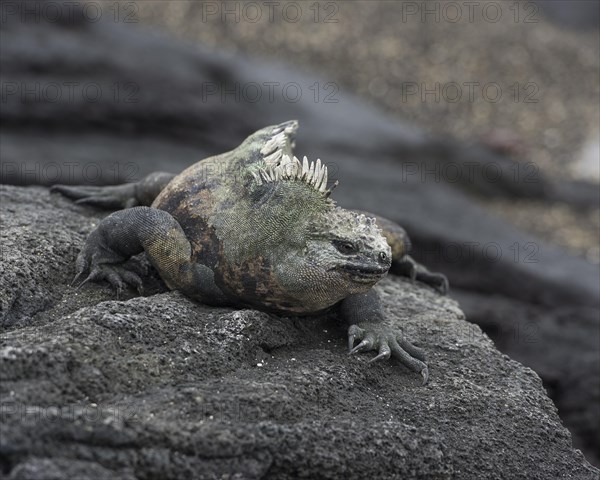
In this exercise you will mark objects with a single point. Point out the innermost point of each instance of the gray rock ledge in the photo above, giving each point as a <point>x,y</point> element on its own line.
<point>161,387</point>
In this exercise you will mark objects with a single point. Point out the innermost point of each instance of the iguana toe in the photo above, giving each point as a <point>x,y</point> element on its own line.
<point>363,346</point>
<point>413,351</point>
<point>409,359</point>
<point>133,279</point>
<point>354,333</point>
<point>384,353</point>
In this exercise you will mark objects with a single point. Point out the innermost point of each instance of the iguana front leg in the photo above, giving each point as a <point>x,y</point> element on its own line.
<point>367,325</point>
<point>107,250</point>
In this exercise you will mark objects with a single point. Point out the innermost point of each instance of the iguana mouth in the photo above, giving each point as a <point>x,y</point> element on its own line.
<point>362,273</point>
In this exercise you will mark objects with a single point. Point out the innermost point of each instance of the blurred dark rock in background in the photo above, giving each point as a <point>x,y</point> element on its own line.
<point>106,102</point>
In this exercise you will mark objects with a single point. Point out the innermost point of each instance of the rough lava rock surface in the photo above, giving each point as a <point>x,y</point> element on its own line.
<point>161,387</point>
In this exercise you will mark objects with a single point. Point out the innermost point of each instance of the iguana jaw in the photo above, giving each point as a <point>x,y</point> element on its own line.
<point>363,273</point>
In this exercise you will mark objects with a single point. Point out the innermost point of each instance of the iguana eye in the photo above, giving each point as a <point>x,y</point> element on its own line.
<point>347,248</point>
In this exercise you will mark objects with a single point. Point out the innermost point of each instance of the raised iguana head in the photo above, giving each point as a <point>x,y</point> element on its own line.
<point>348,249</point>
<point>306,252</point>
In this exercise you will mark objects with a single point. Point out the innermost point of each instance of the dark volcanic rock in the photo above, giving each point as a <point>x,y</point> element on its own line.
<point>560,344</point>
<point>162,387</point>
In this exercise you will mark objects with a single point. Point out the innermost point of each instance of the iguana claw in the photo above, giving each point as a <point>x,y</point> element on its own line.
<point>425,375</point>
<point>388,343</point>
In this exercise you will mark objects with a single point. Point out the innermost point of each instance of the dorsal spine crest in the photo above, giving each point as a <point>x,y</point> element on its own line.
<point>313,174</point>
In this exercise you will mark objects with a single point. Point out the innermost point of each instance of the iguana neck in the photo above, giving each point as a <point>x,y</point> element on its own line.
<point>273,219</point>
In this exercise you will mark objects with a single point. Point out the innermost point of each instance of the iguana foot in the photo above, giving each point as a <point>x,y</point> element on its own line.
<point>387,342</point>
<point>95,264</point>
<point>109,197</point>
<point>439,281</point>
<point>117,275</point>
<point>408,267</point>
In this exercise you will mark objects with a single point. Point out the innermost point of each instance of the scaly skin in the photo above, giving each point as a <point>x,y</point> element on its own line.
<point>255,227</point>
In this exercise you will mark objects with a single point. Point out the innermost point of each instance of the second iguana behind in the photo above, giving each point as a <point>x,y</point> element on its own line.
<point>255,227</point>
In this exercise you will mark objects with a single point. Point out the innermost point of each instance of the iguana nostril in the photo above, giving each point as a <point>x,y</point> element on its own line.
<point>383,257</point>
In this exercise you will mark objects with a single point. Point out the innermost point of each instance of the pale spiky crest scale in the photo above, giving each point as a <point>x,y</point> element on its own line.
<point>274,157</point>
<point>305,167</point>
<point>278,166</point>
<point>317,173</point>
<point>313,174</point>
<point>272,150</point>
<point>276,142</point>
<point>321,179</point>
<point>311,171</point>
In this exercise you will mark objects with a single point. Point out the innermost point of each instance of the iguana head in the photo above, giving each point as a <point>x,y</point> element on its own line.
<point>347,249</point>
<point>319,253</point>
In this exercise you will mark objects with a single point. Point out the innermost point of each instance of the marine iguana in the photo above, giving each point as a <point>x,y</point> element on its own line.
<point>255,227</point>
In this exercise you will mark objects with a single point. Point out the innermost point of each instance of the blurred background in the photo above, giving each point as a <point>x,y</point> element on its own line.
<point>473,124</point>
<point>540,59</point>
